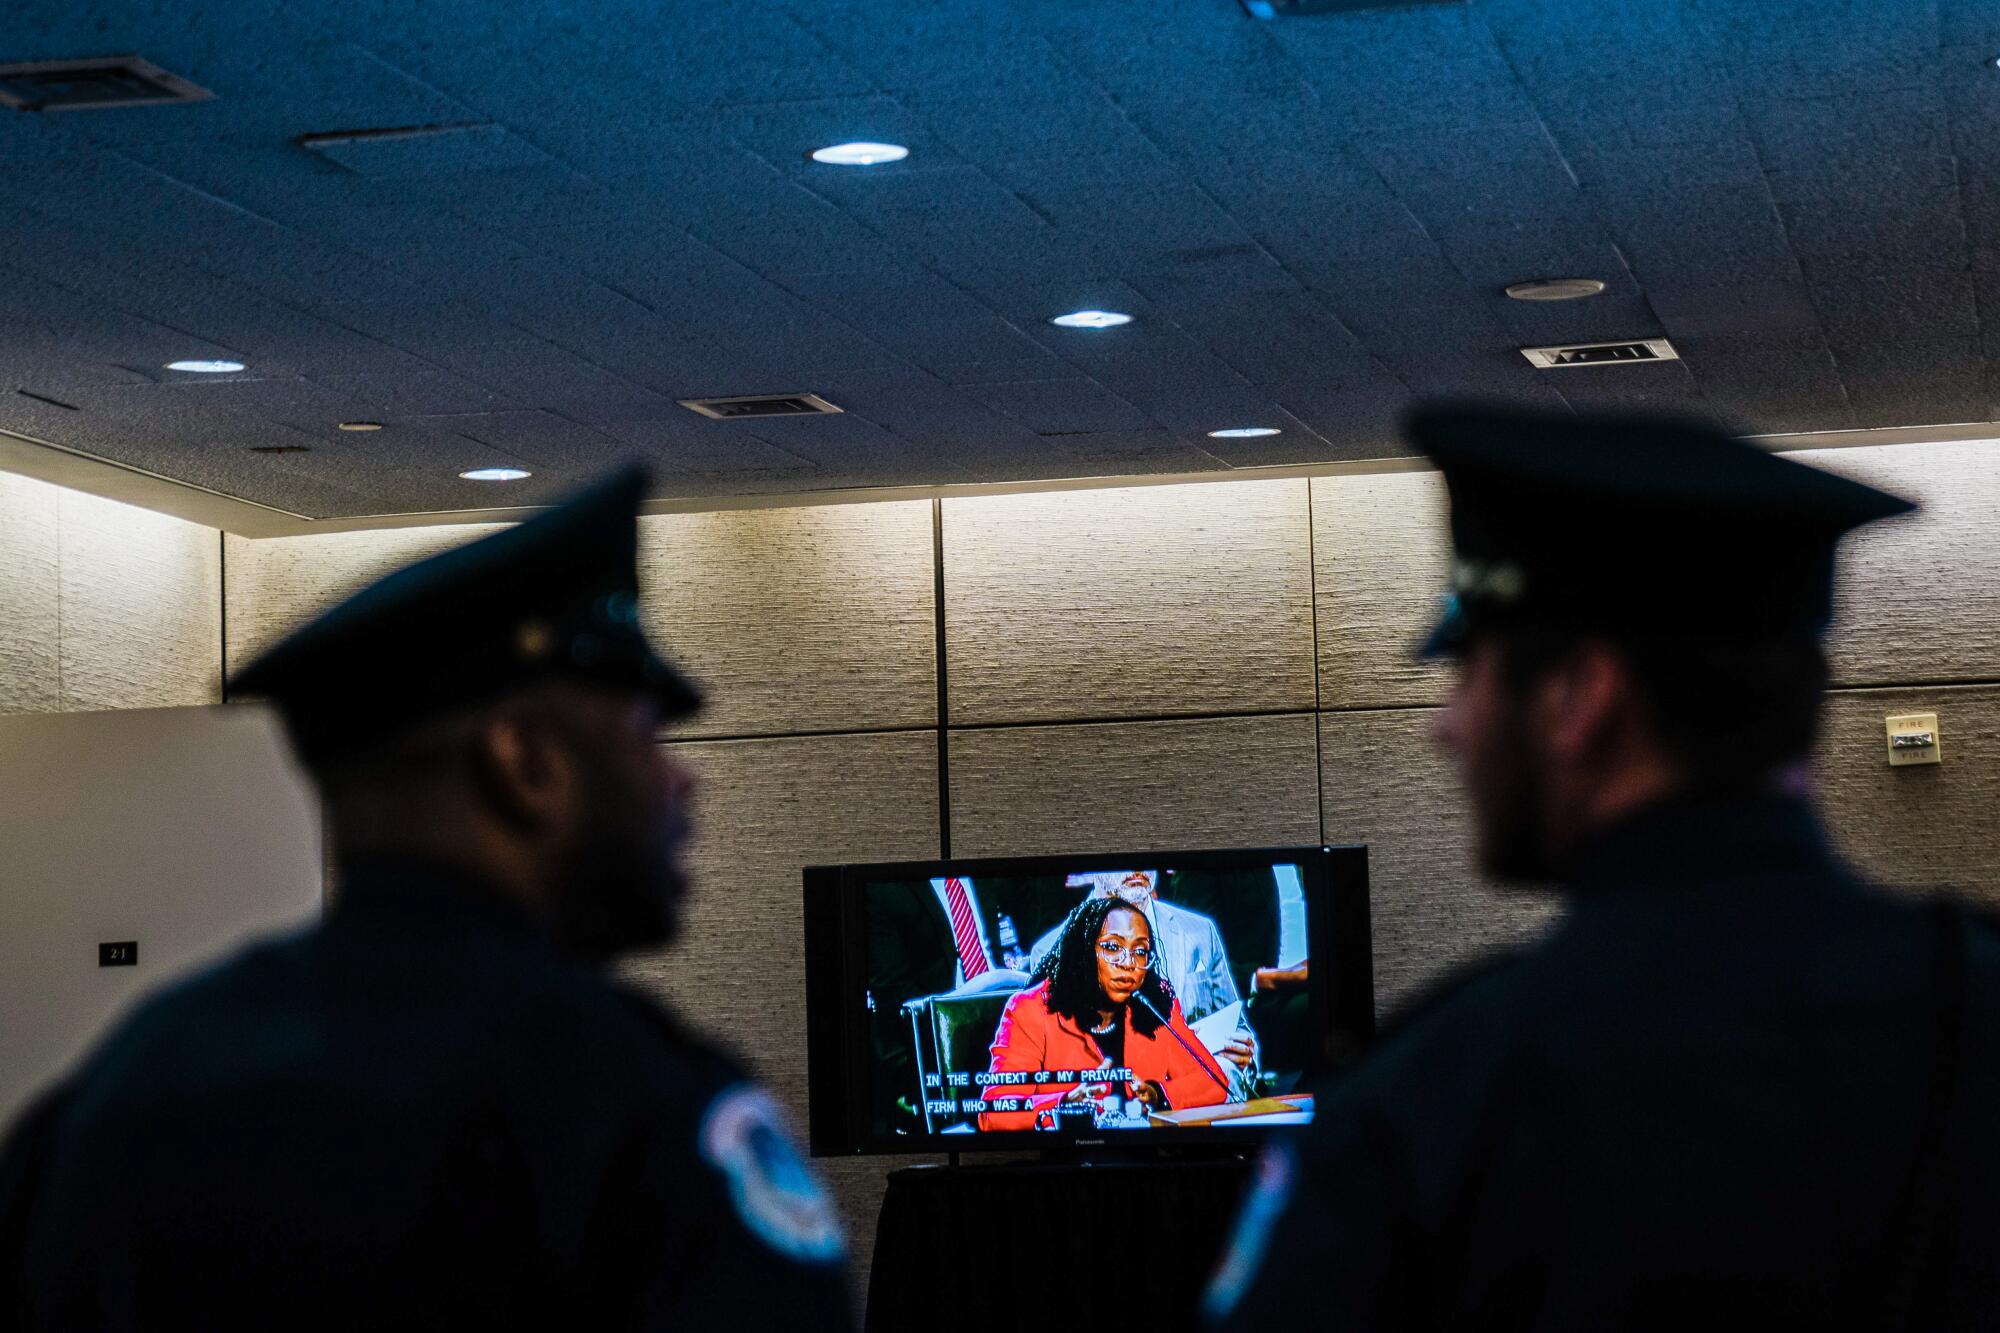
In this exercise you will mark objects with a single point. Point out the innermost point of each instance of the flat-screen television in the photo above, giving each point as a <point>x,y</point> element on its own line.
<point>1135,999</point>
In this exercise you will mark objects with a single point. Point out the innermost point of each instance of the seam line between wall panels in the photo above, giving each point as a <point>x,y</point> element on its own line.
<point>737,736</point>
<point>1886,687</point>
<point>943,717</point>
<point>222,648</point>
<point>62,685</point>
<point>1898,687</point>
<point>1312,608</point>
<point>1382,708</point>
<point>1312,584</point>
<point>1116,719</point>
<point>1122,719</point>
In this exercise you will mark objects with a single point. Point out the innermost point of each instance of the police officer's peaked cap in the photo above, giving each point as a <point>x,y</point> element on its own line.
<point>556,596</point>
<point>1633,525</point>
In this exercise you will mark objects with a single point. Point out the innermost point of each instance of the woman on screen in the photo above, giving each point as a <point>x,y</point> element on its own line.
<point>1098,1038</point>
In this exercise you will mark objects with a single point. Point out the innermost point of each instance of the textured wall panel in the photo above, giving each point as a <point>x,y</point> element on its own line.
<point>1214,782</point>
<point>1381,555</point>
<point>1911,599</point>
<point>30,643</point>
<point>141,607</point>
<point>276,584</point>
<point>1918,595</point>
<point>1920,827</point>
<point>814,619</point>
<point>768,808</point>
<point>1143,601</point>
<point>1386,784</point>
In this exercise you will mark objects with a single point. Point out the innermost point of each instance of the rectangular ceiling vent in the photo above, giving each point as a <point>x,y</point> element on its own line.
<point>760,405</point>
<point>91,85</point>
<point>1601,354</point>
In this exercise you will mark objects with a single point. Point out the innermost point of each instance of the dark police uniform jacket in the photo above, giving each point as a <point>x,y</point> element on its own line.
<point>1735,1087</point>
<point>416,1115</point>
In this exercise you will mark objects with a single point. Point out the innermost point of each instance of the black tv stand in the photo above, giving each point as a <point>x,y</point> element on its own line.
<point>1113,1153</point>
<point>1109,1153</point>
<point>972,1242</point>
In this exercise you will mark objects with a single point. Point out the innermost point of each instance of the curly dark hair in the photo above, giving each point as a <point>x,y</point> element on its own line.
<point>1071,970</point>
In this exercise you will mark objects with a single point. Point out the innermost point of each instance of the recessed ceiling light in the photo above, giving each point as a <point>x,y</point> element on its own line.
<point>495,474</point>
<point>206,367</point>
<point>860,154</point>
<point>361,425</point>
<point>1244,432</point>
<point>1555,289</point>
<point>1091,319</point>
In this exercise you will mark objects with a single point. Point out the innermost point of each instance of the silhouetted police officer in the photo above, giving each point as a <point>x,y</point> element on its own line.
<point>432,1110</point>
<point>1734,1086</point>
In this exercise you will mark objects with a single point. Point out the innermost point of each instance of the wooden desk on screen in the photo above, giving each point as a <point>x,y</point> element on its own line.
<point>1294,1108</point>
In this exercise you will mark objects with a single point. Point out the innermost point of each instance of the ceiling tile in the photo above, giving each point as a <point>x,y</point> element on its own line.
<point>1311,218</point>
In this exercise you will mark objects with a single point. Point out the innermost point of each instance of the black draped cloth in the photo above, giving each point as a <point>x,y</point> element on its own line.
<point>1024,1245</point>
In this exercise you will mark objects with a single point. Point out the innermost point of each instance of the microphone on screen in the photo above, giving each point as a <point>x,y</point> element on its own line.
<point>1153,1009</point>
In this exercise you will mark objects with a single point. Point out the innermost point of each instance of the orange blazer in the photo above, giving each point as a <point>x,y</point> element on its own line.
<point>1031,1040</point>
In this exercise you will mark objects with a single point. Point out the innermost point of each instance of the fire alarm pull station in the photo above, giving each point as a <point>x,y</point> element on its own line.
<point>1913,739</point>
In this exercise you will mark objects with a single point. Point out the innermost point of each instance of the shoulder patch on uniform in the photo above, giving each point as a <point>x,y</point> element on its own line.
<point>1269,1194</point>
<point>774,1191</point>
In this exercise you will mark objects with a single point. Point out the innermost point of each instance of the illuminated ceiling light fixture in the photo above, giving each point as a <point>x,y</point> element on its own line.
<point>206,367</point>
<point>495,474</point>
<point>1281,9</point>
<point>361,425</point>
<point>860,154</point>
<point>1244,433</point>
<point>1091,319</point>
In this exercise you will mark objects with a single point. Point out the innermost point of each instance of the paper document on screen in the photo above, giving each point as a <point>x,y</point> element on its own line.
<point>1217,1028</point>
<point>1292,944</point>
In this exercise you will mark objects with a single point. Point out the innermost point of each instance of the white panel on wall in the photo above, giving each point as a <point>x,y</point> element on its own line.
<point>1381,556</point>
<point>275,584</point>
<point>807,619</point>
<point>1917,596</point>
<point>30,641</point>
<point>1106,787</point>
<point>141,607</point>
<point>765,810</point>
<point>1386,784</point>
<point>183,829</point>
<point>1153,600</point>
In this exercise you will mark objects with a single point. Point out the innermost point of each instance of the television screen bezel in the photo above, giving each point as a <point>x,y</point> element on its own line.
<point>1333,877</point>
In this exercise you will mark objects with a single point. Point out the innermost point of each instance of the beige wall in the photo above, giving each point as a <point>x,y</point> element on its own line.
<point>185,829</point>
<point>1203,664</point>
<point>273,586</point>
<point>103,605</point>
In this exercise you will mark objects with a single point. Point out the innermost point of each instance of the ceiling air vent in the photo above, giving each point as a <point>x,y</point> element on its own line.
<point>760,405</point>
<point>88,85</point>
<point>1601,354</point>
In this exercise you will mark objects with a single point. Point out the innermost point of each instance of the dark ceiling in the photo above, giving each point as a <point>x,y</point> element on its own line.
<point>1312,220</point>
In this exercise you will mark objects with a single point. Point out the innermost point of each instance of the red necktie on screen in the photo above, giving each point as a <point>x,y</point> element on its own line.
<point>972,959</point>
